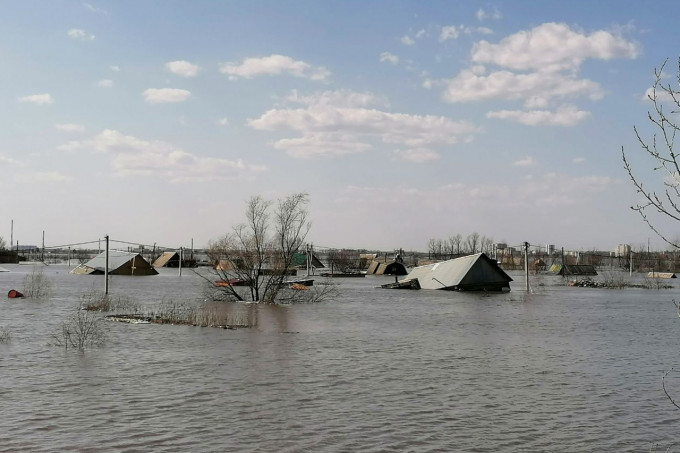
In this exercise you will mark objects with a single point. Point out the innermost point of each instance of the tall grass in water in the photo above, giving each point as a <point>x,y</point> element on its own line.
<point>5,336</point>
<point>98,301</point>
<point>205,315</point>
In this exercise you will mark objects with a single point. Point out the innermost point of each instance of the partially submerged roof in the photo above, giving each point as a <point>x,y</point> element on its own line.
<point>120,263</point>
<point>388,268</point>
<point>573,269</point>
<point>166,258</point>
<point>661,275</point>
<point>300,259</point>
<point>469,273</point>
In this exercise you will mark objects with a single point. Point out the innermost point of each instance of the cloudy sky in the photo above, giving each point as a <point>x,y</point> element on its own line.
<point>155,121</point>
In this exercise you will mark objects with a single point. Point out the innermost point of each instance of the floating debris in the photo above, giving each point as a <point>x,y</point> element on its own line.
<point>130,319</point>
<point>14,294</point>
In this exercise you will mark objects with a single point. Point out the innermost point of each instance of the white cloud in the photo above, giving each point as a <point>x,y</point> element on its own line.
<point>407,40</point>
<point>94,9</point>
<point>77,33</point>
<point>526,161</point>
<point>535,87</point>
<point>224,121</point>
<point>8,160</point>
<point>483,15</point>
<point>564,116</point>
<point>182,68</point>
<point>132,156</point>
<point>551,47</point>
<point>448,32</point>
<point>105,83</point>
<point>165,95</point>
<point>417,155</point>
<point>39,99</point>
<point>70,127</point>
<point>484,30</point>
<point>343,118</point>
<point>115,68</point>
<point>662,96</point>
<point>274,65</point>
<point>339,98</point>
<point>389,58</point>
<point>578,160</point>
<point>321,145</point>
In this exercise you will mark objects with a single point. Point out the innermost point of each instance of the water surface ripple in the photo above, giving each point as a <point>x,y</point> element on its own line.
<point>562,369</point>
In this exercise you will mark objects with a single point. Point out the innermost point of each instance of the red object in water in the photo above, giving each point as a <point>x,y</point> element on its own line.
<point>13,294</point>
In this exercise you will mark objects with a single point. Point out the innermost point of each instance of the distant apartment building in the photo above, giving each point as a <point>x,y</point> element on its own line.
<point>622,250</point>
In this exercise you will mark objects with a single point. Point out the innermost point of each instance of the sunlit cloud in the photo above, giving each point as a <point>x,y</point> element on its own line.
<point>564,116</point>
<point>39,99</point>
<point>132,156</point>
<point>165,95</point>
<point>82,35</point>
<point>182,68</point>
<point>274,65</point>
<point>387,57</point>
<point>340,123</point>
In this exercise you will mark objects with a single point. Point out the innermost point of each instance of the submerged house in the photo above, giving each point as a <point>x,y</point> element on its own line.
<point>387,268</point>
<point>469,273</point>
<point>299,260</point>
<point>167,259</point>
<point>120,263</point>
<point>573,269</point>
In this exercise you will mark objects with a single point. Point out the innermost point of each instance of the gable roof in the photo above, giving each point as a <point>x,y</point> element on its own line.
<point>165,258</point>
<point>473,272</point>
<point>118,260</point>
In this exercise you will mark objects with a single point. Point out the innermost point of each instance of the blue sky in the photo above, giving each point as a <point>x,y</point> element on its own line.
<point>154,121</point>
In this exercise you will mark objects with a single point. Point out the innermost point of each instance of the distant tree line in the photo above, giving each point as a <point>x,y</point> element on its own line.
<point>457,245</point>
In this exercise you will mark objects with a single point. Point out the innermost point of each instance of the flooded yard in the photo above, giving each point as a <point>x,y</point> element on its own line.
<point>560,369</point>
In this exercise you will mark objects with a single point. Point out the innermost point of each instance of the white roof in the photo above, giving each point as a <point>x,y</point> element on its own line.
<point>447,274</point>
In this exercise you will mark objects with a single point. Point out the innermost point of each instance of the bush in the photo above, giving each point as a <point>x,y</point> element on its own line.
<point>82,330</point>
<point>37,285</point>
<point>5,336</point>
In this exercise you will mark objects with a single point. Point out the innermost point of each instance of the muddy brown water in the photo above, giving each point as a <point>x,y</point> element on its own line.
<point>561,369</point>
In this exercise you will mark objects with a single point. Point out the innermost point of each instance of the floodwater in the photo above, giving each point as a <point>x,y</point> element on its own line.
<point>561,369</point>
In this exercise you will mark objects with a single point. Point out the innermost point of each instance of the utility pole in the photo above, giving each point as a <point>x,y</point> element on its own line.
<point>181,257</point>
<point>106,268</point>
<point>631,263</point>
<point>526,264</point>
<point>43,247</point>
<point>11,236</point>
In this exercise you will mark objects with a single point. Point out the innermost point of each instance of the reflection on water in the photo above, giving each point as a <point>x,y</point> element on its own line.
<point>561,369</point>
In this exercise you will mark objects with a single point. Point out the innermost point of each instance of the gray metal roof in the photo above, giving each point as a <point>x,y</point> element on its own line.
<point>459,271</point>
<point>116,259</point>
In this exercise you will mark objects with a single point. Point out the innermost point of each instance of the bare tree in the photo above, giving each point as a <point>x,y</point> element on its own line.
<point>486,245</point>
<point>456,243</point>
<point>660,150</point>
<point>473,242</point>
<point>259,253</point>
<point>3,244</point>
